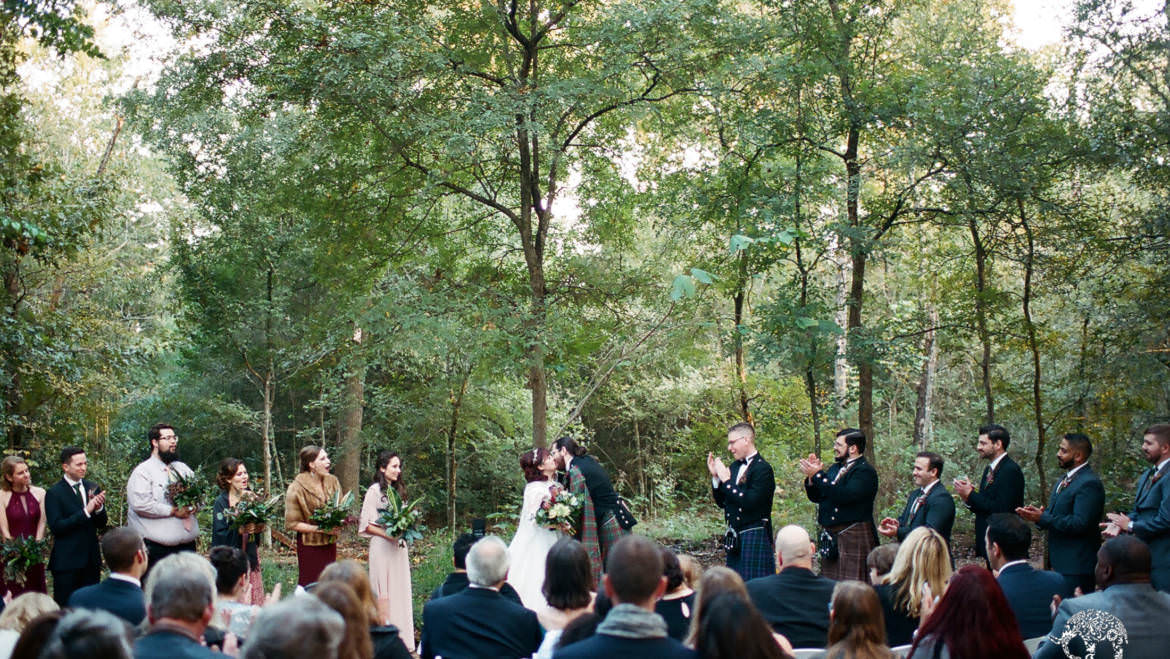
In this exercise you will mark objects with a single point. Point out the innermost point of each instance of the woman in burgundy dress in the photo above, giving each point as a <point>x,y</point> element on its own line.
<point>22,515</point>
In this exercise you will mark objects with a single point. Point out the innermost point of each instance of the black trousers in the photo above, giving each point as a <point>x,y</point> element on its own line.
<point>156,552</point>
<point>67,581</point>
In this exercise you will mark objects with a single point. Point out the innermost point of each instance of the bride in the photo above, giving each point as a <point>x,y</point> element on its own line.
<point>531,543</point>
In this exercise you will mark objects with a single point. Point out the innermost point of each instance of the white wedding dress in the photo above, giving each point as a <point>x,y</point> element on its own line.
<point>529,548</point>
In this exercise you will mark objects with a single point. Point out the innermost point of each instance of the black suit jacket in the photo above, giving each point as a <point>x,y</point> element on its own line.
<point>747,503</point>
<point>615,647</point>
<point>900,625</point>
<point>937,512</point>
<point>1003,495</point>
<point>1029,592</point>
<point>850,499</point>
<point>1071,520</point>
<point>457,582</point>
<point>120,598</point>
<point>796,603</point>
<point>600,488</point>
<point>75,540</point>
<point>478,622</point>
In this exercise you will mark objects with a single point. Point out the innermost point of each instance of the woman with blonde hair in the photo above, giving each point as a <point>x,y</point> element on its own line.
<point>856,626</point>
<point>18,614</point>
<point>22,515</point>
<point>922,559</point>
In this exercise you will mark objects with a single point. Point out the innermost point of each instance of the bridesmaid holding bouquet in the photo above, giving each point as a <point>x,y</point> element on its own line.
<point>389,559</point>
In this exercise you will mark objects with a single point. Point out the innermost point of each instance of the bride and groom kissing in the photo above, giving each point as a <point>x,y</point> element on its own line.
<point>604,517</point>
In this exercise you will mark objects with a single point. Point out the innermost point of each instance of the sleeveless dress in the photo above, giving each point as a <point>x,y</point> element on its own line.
<point>530,547</point>
<point>24,513</point>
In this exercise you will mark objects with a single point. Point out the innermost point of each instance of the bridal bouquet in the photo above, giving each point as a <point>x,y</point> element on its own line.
<point>560,511</point>
<point>187,491</point>
<point>334,513</point>
<point>251,509</point>
<point>20,554</point>
<point>402,520</point>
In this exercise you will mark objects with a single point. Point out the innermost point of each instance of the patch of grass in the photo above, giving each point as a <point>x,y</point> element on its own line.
<point>430,562</point>
<point>693,524</point>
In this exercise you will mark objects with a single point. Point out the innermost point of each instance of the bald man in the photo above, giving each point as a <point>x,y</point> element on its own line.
<point>795,601</point>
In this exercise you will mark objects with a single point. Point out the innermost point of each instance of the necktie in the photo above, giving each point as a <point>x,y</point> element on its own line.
<point>1064,483</point>
<point>77,490</point>
<point>844,468</point>
<point>991,475</point>
<point>1151,476</point>
<point>917,504</point>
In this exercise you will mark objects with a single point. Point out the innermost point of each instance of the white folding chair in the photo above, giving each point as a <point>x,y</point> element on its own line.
<point>1033,644</point>
<point>806,653</point>
<point>901,650</point>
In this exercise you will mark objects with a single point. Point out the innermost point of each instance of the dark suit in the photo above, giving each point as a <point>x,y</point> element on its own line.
<point>900,625</point>
<point>937,512</point>
<point>478,622</point>
<point>1003,494</point>
<point>746,500</point>
<point>600,488</point>
<point>119,597</point>
<point>614,647</point>
<point>457,582</point>
<point>1071,520</point>
<point>845,508</point>
<point>795,603</point>
<point>1141,609</point>
<point>167,644</point>
<point>1151,522</point>
<point>76,559</point>
<point>1029,592</point>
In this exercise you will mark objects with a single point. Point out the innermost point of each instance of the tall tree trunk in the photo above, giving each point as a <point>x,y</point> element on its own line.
<point>456,399</point>
<point>351,418</point>
<point>841,360</point>
<point>740,299</point>
<point>981,267</point>
<point>924,410</point>
<point>269,396</point>
<point>1030,325</point>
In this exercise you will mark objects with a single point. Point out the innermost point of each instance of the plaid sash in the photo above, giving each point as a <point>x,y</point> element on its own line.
<point>588,533</point>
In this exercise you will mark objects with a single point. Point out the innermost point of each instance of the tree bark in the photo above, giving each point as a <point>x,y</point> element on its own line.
<point>924,410</point>
<point>981,317</point>
<point>841,361</point>
<point>740,299</point>
<point>351,418</point>
<point>456,399</point>
<point>1030,325</point>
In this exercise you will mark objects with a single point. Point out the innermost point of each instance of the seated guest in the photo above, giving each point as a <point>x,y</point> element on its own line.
<point>18,614</point>
<point>121,593</point>
<point>457,580</point>
<point>479,621</point>
<point>1029,591</point>
<point>732,628</point>
<point>795,602</point>
<point>676,605</point>
<point>294,628</point>
<point>880,561</point>
<point>356,642</point>
<point>36,634</point>
<point>923,558</point>
<point>972,619</point>
<point>387,642</point>
<point>856,628</point>
<point>180,600</point>
<point>568,589</point>
<point>634,582</point>
<point>233,611</point>
<point>1126,595</point>
<point>691,570</point>
<point>716,581</point>
<point>90,634</point>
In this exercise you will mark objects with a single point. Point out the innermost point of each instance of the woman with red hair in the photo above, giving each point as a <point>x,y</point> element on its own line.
<point>531,543</point>
<point>973,620</point>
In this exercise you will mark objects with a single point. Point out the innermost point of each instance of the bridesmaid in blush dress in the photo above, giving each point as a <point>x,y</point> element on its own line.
<point>22,515</point>
<point>389,560</point>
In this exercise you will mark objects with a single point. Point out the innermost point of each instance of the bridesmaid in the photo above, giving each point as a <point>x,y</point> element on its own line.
<point>22,514</point>
<point>389,561</point>
<point>310,490</point>
<point>232,479</point>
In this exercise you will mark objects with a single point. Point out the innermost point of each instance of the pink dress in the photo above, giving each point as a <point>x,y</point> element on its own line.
<point>389,569</point>
<point>24,513</point>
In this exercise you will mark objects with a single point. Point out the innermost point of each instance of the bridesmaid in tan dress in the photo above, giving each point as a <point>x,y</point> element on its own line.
<point>389,560</point>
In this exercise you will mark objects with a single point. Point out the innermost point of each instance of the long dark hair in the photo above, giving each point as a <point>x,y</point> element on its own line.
<point>570,445</point>
<point>384,458</point>
<point>858,629</point>
<point>732,627</point>
<point>568,577</point>
<point>973,619</point>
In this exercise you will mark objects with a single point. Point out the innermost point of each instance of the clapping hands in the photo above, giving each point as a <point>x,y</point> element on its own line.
<point>717,469</point>
<point>811,465</point>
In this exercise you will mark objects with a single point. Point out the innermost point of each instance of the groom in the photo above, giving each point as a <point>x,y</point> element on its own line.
<point>583,476</point>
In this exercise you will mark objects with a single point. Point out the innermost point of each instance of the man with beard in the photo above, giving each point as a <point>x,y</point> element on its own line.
<point>1001,490</point>
<point>1074,510</point>
<point>167,529</point>
<point>844,496</point>
<point>75,511</point>
<point>584,476</point>
<point>1150,518</point>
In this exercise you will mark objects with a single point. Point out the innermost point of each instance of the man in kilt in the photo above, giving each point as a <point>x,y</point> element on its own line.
<point>744,491</point>
<point>844,495</point>
<point>585,477</point>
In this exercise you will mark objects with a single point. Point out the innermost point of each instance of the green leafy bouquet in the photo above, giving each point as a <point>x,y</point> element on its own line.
<point>334,513</point>
<point>20,554</point>
<point>251,509</point>
<point>560,511</point>
<point>187,491</point>
<point>400,519</point>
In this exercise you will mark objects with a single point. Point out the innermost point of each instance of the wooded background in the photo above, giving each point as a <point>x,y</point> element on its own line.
<point>457,229</point>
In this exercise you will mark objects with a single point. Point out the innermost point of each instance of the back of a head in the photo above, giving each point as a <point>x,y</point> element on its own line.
<point>487,562</point>
<point>230,564</point>
<point>90,634</point>
<point>881,558</point>
<point>356,643</point>
<point>460,548</point>
<point>858,621</point>
<point>973,618</point>
<point>119,547</point>
<point>295,627</point>
<point>24,609</point>
<point>1012,534</point>
<point>568,576</point>
<point>715,581</point>
<point>181,587</point>
<point>354,575</point>
<point>634,569</point>
<point>672,570</point>
<point>732,627</point>
<point>923,557</point>
<point>793,545</point>
<point>1128,556</point>
<point>36,635</point>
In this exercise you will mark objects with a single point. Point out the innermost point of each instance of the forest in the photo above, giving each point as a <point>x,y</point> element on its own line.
<point>459,229</point>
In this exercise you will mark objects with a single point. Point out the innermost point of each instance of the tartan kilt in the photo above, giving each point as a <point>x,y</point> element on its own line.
<point>609,532</point>
<point>854,543</point>
<point>756,557</point>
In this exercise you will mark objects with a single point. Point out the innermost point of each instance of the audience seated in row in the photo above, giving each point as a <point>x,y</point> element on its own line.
<point>457,580</point>
<point>1028,591</point>
<point>856,626</point>
<point>385,639</point>
<point>971,619</point>
<point>923,559</point>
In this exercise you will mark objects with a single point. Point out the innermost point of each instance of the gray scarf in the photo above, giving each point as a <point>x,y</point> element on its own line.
<point>629,621</point>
